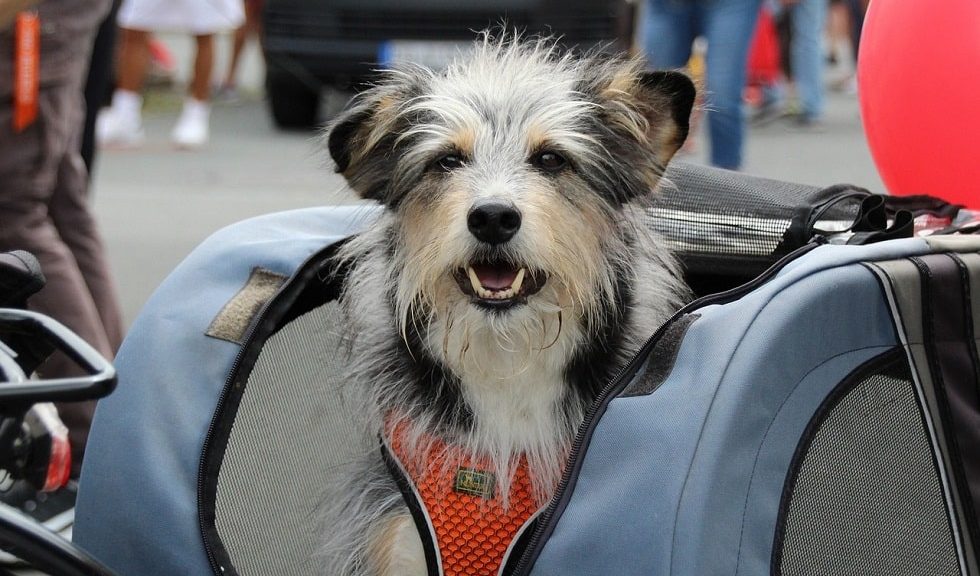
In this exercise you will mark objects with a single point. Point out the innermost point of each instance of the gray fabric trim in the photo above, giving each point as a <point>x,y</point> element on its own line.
<point>235,317</point>
<point>293,431</point>
<point>902,283</point>
<point>431,535</point>
<point>953,242</point>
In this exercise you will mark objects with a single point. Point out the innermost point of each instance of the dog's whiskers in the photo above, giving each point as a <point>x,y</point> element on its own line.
<point>557,332</point>
<point>450,321</point>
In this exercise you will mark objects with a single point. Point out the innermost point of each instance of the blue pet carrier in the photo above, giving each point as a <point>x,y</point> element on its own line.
<point>821,419</point>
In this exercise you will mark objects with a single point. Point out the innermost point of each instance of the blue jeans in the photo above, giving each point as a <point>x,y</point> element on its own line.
<point>809,18</point>
<point>669,29</point>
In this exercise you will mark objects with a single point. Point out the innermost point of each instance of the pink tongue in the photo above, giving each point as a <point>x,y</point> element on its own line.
<point>495,277</point>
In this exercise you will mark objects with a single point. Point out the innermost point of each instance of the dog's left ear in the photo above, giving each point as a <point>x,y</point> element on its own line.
<point>652,107</point>
<point>667,100</point>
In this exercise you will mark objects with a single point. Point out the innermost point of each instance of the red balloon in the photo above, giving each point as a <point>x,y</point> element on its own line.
<point>919,87</point>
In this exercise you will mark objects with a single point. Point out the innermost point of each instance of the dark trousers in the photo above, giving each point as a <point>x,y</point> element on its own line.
<point>44,209</point>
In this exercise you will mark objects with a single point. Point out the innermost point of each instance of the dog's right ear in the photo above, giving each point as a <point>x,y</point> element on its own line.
<point>352,140</point>
<point>342,133</point>
<point>363,139</point>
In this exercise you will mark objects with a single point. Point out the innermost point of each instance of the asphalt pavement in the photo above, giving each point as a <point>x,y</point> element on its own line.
<point>156,203</point>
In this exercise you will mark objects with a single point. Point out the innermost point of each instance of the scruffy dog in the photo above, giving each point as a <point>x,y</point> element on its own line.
<point>505,283</point>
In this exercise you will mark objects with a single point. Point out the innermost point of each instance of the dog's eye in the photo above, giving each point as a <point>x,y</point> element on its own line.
<point>550,161</point>
<point>449,162</point>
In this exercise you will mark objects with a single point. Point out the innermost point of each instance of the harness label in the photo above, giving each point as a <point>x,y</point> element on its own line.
<point>475,483</point>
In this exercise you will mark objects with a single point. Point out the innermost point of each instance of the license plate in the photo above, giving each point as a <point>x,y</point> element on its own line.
<point>433,54</point>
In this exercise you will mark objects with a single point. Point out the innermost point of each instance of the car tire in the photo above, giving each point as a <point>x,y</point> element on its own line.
<point>293,104</point>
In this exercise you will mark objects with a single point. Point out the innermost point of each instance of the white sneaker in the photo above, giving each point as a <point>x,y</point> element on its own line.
<point>192,129</point>
<point>118,127</point>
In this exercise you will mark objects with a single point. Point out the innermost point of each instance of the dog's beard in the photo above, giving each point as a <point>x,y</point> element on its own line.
<point>478,342</point>
<point>511,367</point>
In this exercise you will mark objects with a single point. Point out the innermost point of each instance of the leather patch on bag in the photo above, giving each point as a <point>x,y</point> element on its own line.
<point>237,315</point>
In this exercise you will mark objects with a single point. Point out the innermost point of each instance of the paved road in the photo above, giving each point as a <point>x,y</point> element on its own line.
<point>155,204</point>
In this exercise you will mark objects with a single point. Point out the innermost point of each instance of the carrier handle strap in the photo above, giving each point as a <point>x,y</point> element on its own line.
<point>878,218</point>
<point>872,223</point>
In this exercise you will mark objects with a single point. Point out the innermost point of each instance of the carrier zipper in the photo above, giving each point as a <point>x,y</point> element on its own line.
<point>250,334</point>
<point>216,568</point>
<point>549,516</point>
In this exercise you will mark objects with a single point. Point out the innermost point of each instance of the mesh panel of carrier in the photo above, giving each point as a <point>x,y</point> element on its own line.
<point>867,498</point>
<point>292,420</point>
<point>731,223</point>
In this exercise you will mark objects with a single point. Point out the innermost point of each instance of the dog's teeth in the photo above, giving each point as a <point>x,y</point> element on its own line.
<point>515,288</point>
<point>492,295</point>
<point>475,282</point>
<point>482,292</point>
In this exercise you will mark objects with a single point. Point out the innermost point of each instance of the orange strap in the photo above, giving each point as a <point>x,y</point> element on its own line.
<point>27,65</point>
<point>471,528</point>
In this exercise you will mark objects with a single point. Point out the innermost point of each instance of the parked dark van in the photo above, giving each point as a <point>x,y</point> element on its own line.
<point>313,45</point>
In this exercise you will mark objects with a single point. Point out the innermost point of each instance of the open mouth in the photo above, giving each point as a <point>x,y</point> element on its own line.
<point>498,284</point>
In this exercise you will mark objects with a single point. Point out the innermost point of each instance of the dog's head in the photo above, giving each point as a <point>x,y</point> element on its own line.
<point>507,176</point>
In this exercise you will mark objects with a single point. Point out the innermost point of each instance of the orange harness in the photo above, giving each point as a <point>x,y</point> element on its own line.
<point>468,525</point>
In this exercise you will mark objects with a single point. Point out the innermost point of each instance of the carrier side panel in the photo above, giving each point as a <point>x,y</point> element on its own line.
<point>137,507</point>
<point>801,344</point>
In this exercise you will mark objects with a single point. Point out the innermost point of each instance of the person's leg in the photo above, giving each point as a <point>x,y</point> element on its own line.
<point>253,19</point>
<point>729,25</point>
<point>669,28</point>
<point>121,123</point>
<point>251,28</point>
<point>809,19</point>
<point>134,56</point>
<point>30,162</point>
<point>69,209</point>
<point>237,46</point>
<point>200,88</point>
<point>857,9</point>
<point>192,129</point>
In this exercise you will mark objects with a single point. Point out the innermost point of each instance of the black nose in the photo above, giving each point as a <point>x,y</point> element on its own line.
<point>494,222</point>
